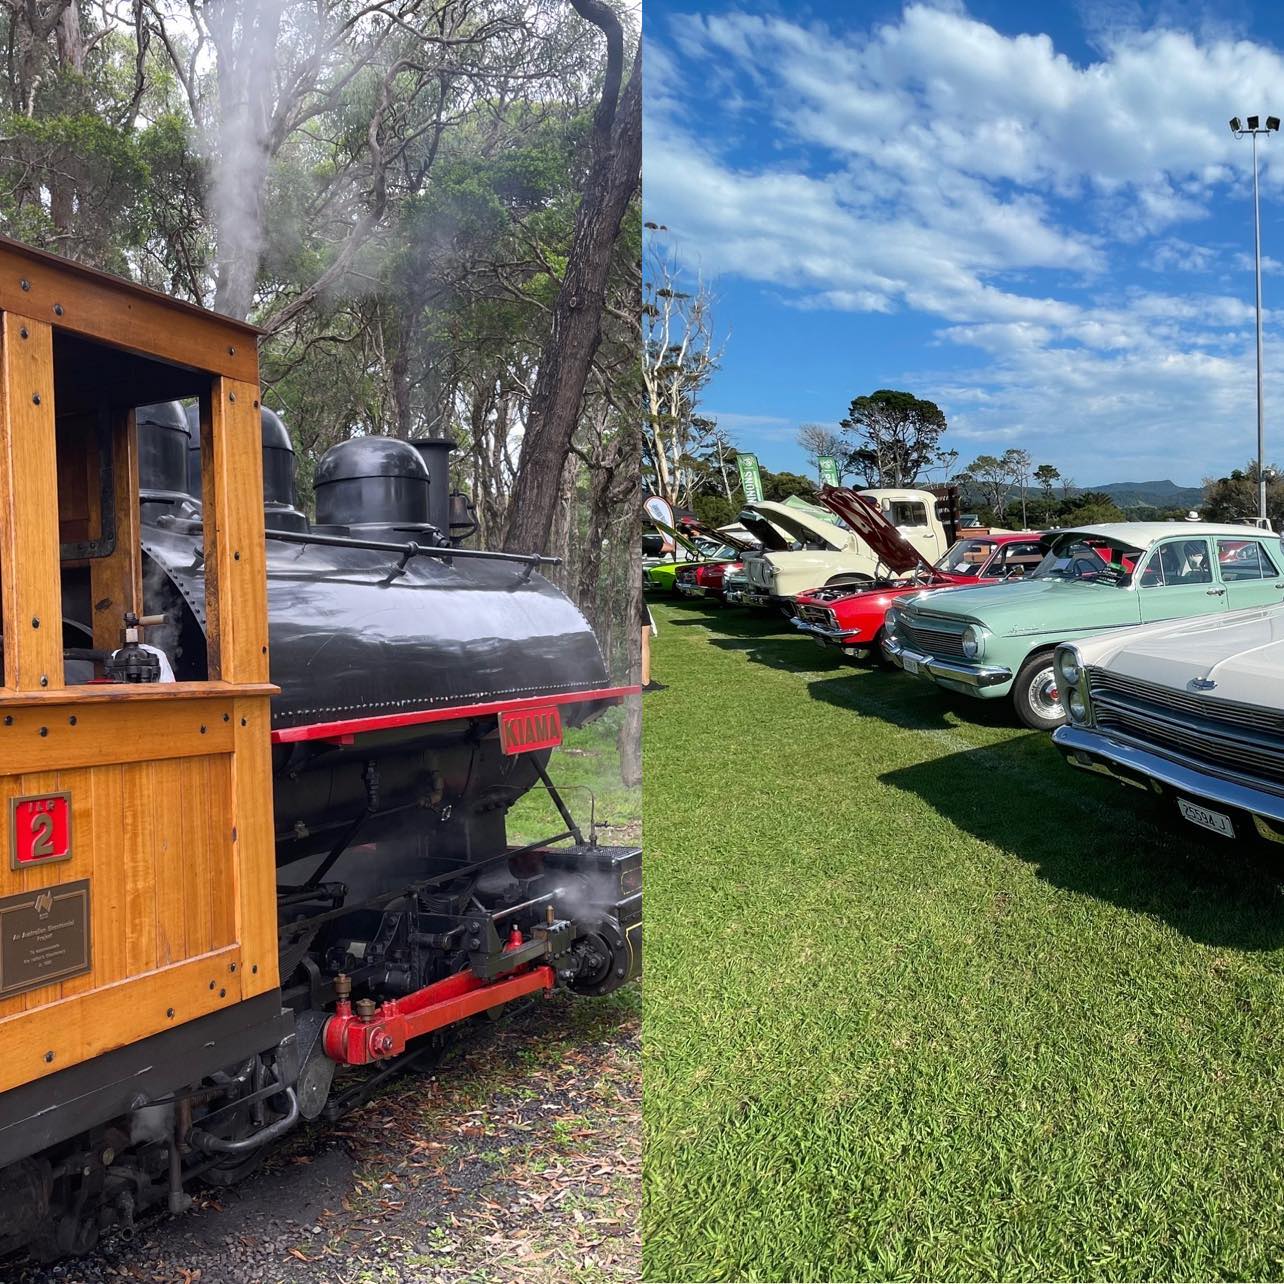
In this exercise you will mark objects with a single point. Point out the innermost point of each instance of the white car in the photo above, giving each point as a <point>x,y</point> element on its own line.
<point>1189,709</point>
<point>825,552</point>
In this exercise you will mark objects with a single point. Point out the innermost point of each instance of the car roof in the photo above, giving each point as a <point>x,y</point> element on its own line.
<point>1000,537</point>
<point>1143,534</point>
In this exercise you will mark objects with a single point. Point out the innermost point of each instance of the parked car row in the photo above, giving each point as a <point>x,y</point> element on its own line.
<point>1153,652</point>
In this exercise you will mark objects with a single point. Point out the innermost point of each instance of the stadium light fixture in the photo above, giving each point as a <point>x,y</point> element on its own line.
<point>1252,129</point>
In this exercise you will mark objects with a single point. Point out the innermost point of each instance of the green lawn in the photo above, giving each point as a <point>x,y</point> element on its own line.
<point>923,1003</point>
<point>586,771</point>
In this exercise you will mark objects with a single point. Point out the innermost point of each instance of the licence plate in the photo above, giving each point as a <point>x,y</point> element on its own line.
<point>1207,819</point>
<point>911,665</point>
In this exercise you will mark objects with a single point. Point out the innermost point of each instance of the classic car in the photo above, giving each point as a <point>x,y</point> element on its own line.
<point>853,621</point>
<point>998,641</point>
<point>827,553</point>
<point>734,583</point>
<point>661,577</point>
<point>705,579</point>
<point>1191,711</point>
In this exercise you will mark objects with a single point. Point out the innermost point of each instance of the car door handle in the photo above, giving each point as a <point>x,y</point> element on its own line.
<point>1217,592</point>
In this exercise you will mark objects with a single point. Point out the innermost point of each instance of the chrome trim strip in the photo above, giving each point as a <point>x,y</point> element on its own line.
<point>1167,771</point>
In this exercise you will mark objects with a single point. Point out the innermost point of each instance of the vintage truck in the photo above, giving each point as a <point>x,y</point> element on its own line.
<point>998,642</point>
<point>854,621</point>
<point>826,553</point>
<point>1191,711</point>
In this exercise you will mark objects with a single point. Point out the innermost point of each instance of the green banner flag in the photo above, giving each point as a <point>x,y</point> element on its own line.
<point>828,466</point>
<point>750,478</point>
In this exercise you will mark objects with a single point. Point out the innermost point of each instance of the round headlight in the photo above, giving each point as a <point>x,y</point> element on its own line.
<point>1068,669</point>
<point>1078,710</point>
<point>891,619</point>
<point>973,642</point>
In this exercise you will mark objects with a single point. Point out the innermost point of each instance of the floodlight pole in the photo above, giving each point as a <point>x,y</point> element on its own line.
<point>1257,267</point>
<point>1271,126</point>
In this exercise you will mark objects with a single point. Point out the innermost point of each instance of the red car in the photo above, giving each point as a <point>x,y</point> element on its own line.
<point>705,579</point>
<point>853,621</point>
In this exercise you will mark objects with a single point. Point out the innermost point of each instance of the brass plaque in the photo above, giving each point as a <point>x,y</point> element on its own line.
<point>44,936</point>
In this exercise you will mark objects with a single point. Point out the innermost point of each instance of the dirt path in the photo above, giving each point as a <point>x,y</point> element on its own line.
<point>518,1160</point>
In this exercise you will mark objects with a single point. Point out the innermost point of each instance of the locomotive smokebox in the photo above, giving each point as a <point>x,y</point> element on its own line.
<point>372,487</point>
<point>435,452</point>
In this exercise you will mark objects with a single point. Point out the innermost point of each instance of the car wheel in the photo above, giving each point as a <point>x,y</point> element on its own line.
<point>1035,695</point>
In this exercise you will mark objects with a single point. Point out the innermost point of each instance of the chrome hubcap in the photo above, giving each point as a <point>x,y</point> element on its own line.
<point>1044,697</point>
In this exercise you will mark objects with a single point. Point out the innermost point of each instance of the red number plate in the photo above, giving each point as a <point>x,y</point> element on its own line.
<point>521,732</point>
<point>39,830</point>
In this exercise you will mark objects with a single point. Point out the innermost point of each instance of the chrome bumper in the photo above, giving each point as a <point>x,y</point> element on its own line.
<point>819,631</point>
<point>691,590</point>
<point>1091,750</point>
<point>936,669</point>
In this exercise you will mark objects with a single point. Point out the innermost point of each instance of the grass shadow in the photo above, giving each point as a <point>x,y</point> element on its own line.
<point>882,692</point>
<point>1104,840</point>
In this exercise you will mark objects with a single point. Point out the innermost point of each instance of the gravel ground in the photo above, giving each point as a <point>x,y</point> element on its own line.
<point>518,1159</point>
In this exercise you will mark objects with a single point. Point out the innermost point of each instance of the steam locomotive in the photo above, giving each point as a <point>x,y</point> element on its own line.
<point>416,689</point>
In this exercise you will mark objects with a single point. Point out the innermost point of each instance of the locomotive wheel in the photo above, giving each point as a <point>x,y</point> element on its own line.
<point>605,954</point>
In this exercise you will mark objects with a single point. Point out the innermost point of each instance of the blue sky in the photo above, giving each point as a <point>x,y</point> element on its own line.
<point>1034,215</point>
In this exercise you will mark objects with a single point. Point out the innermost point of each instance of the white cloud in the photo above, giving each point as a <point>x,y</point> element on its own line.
<point>935,164</point>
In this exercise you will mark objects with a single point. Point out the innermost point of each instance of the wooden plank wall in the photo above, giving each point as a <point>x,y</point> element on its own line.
<point>152,816</point>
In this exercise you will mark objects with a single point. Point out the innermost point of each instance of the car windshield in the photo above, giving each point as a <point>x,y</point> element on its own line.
<point>967,557</point>
<point>1088,557</point>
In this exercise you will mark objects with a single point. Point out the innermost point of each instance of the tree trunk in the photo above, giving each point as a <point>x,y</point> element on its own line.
<point>577,314</point>
<point>71,57</point>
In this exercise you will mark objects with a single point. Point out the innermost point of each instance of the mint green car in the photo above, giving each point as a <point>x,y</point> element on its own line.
<point>996,642</point>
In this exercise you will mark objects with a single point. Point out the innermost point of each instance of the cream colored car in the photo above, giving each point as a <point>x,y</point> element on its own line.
<point>830,552</point>
<point>1191,710</point>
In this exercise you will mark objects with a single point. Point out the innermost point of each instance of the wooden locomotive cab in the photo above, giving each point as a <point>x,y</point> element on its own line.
<point>137,888</point>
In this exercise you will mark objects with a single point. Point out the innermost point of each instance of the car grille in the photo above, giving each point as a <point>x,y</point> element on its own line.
<point>930,640</point>
<point>818,615</point>
<point>1228,737</point>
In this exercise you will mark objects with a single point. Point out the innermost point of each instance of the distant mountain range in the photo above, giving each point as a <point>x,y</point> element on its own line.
<point>1160,494</point>
<point>1157,494</point>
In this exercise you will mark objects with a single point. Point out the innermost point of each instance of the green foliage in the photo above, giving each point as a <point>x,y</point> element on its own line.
<point>1235,498</point>
<point>716,510</point>
<point>895,437</point>
<point>779,486</point>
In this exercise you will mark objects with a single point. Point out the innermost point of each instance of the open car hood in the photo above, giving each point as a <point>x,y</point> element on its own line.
<point>742,543</point>
<point>801,525</point>
<point>771,538</point>
<point>889,545</point>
